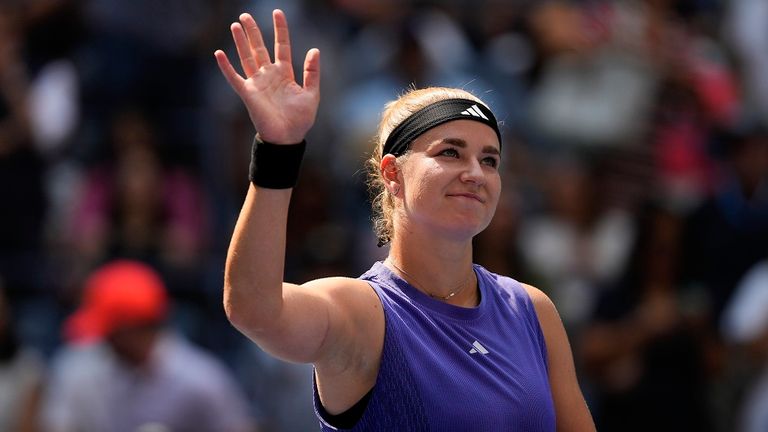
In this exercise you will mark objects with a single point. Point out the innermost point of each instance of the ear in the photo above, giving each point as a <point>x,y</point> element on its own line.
<point>390,172</point>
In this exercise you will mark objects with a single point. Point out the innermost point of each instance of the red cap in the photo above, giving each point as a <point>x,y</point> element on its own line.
<point>119,294</point>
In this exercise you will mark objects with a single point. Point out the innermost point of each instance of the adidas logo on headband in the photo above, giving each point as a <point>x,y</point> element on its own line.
<point>474,111</point>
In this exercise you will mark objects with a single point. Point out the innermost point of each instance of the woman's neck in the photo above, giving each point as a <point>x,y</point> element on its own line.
<point>442,270</point>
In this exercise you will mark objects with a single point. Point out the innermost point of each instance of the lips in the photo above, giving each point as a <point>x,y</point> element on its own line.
<point>468,195</point>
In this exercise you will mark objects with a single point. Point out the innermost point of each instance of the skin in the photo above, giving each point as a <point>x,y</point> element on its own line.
<point>133,344</point>
<point>446,191</point>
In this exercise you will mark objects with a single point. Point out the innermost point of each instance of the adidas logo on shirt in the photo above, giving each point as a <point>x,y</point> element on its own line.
<point>474,111</point>
<point>478,348</point>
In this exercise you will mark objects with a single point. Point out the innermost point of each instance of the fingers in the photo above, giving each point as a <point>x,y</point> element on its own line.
<point>244,50</point>
<point>234,80</point>
<point>254,54</point>
<point>261,55</point>
<point>282,39</point>
<point>312,71</point>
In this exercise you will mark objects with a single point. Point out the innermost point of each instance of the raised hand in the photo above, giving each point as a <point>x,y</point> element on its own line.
<point>281,110</point>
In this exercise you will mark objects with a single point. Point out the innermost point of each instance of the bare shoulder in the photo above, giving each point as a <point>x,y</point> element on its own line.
<point>545,309</point>
<point>535,294</point>
<point>353,306</point>
<point>351,303</point>
<point>326,318</point>
<point>341,290</point>
<point>549,318</point>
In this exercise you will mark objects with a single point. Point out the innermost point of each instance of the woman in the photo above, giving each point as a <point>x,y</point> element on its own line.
<point>438,343</point>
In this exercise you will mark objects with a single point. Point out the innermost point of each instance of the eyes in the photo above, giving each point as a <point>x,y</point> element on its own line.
<point>452,152</point>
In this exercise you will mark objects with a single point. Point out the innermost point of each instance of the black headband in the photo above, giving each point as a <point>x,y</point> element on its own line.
<point>399,141</point>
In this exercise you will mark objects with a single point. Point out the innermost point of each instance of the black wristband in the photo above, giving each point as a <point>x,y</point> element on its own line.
<point>275,166</point>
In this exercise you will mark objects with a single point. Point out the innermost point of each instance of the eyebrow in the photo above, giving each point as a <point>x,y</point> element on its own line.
<point>458,142</point>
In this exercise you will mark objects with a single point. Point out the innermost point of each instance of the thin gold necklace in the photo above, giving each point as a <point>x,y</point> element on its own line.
<point>449,296</point>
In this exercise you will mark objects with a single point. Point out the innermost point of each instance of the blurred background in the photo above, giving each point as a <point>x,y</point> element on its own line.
<point>635,179</point>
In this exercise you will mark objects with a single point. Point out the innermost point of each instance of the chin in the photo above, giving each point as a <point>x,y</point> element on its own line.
<point>465,231</point>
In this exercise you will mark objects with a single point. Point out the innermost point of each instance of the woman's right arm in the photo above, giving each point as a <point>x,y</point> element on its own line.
<point>296,323</point>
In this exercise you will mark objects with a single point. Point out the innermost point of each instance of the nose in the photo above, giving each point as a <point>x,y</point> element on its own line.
<point>473,173</point>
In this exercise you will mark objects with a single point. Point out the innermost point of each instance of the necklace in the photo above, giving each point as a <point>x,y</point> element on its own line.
<point>450,295</point>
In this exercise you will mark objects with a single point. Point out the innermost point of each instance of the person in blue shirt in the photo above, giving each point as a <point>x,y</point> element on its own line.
<point>424,340</point>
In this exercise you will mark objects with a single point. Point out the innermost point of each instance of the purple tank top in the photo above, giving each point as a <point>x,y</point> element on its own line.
<point>448,368</point>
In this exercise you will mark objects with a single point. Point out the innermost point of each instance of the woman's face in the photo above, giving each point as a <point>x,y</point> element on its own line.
<point>450,180</point>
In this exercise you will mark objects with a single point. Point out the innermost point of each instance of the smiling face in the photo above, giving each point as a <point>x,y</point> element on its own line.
<point>449,182</point>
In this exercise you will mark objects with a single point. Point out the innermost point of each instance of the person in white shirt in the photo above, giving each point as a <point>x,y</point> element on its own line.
<point>122,371</point>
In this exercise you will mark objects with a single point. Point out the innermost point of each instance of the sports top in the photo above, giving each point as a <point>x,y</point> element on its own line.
<point>450,368</point>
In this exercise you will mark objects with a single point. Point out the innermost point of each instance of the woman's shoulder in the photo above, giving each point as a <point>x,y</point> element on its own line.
<point>500,281</point>
<point>335,285</point>
<point>545,308</point>
<point>540,301</point>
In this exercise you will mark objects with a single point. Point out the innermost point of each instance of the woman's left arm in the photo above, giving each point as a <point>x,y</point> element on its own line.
<point>571,410</point>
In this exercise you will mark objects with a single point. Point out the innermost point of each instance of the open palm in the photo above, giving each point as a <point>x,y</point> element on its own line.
<point>281,110</point>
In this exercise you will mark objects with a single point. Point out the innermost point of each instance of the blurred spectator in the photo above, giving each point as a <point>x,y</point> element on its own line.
<point>123,371</point>
<point>727,234</point>
<point>146,52</point>
<point>642,354</point>
<point>132,205</point>
<point>746,27</point>
<point>21,377</point>
<point>597,80</point>
<point>21,167</point>
<point>52,31</point>
<point>745,324</point>
<point>23,259</point>
<point>685,170</point>
<point>579,243</point>
<point>697,95</point>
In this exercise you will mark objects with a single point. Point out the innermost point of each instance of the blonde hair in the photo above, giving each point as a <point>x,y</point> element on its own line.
<point>395,112</point>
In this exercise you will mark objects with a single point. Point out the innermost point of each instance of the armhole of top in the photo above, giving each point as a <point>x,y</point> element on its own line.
<point>349,418</point>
